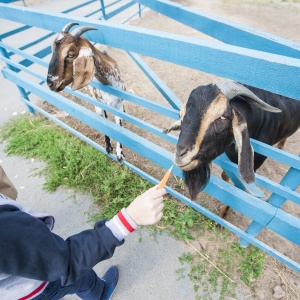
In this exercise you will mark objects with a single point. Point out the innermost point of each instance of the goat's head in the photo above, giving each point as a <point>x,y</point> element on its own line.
<point>209,123</point>
<point>72,59</point>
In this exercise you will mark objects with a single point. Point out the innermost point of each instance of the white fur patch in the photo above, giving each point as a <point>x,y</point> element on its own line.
<point>60,36</point>
<point>85,52</point>
<point>53,78</point>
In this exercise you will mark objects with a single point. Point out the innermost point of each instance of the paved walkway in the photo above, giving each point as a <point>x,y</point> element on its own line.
<point>147,263</point>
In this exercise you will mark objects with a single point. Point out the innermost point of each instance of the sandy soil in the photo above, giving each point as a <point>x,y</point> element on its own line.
<point>277,17</point>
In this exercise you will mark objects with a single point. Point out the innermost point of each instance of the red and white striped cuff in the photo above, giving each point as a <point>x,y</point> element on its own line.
<point>121,225</point>
<point>36,292</point>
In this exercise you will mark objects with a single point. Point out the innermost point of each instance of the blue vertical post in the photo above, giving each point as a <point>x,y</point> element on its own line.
<point>291,180</point>
<point>23,93</point>
<point>103,9</point>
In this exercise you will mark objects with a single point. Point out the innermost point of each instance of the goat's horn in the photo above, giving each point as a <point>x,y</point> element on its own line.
<point>68,27</point>
<point>80,30</point>
<point>232,89</point>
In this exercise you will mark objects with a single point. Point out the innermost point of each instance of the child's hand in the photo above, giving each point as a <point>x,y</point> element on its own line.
<point>146,209</point>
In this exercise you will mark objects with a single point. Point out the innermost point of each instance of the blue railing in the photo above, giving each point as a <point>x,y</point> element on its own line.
<point>281,63</point>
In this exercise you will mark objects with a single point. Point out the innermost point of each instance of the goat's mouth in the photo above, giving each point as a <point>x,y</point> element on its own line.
<point>60,87</point>
<point>57,87</point>
<point>186,166</point>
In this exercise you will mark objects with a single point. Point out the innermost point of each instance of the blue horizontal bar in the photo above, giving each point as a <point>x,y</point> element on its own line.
<point>93,13</point>
<point>40,54</point>
<point>123,115</point>
<point>226,164</point>
<point>35,42</point>
<point>168,112</point>
<point>290,181</point>
<point>278,189</point>
<point>120,9</point>
<point>138,13</point>
<point>20,29</point>
<point>286,225</point>
<point>14,31</point>
<point>109,89</point>
<point>277,154</point>
<point>248,66</point>
<point>20,67</point>
<point>223,30</point>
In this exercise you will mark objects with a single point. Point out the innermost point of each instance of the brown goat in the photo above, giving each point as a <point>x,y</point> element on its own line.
<point>76,61</point>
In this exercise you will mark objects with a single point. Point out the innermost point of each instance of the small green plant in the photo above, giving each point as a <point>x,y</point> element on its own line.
<point>181,219</point>
<point>251,265</point>
<point>213,274</point>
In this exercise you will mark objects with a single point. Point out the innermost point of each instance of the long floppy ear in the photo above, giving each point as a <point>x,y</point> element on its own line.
<point>245,150</point>
<point>83,71</point>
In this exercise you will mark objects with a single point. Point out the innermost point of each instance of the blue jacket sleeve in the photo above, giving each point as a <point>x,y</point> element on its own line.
<point>29,249</point>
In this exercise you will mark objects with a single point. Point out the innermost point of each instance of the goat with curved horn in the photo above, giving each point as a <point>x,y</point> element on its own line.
<point>76,62</point>
<point>67,27</point>
<point>80,30</point>
<point>233,89</point>
<point>215,120</point>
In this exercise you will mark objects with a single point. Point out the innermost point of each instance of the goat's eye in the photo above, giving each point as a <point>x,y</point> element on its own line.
<point>221,124</point>
<point>70,55</point>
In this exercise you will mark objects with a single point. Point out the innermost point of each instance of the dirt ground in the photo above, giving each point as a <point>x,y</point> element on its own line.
<point>277,17</point>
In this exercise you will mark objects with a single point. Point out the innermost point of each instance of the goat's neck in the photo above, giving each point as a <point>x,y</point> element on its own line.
<point>107,70</point>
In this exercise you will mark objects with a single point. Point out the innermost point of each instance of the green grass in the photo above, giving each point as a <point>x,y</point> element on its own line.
<point>74,164</point>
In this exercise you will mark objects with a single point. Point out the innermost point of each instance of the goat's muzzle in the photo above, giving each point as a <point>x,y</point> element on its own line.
<point>184,159</point>
<point>54,85</point>
<point>50,83</point>
<point>192,164</point>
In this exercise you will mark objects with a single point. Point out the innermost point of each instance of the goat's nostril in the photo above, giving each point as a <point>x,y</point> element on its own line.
<point>49,82</point>
<point>181,151</point>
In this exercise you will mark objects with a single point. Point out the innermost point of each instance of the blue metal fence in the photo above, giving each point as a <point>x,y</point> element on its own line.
<point>259,55</point>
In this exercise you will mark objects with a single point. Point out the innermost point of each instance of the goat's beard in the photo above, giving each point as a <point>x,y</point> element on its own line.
<point>197,179</point>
